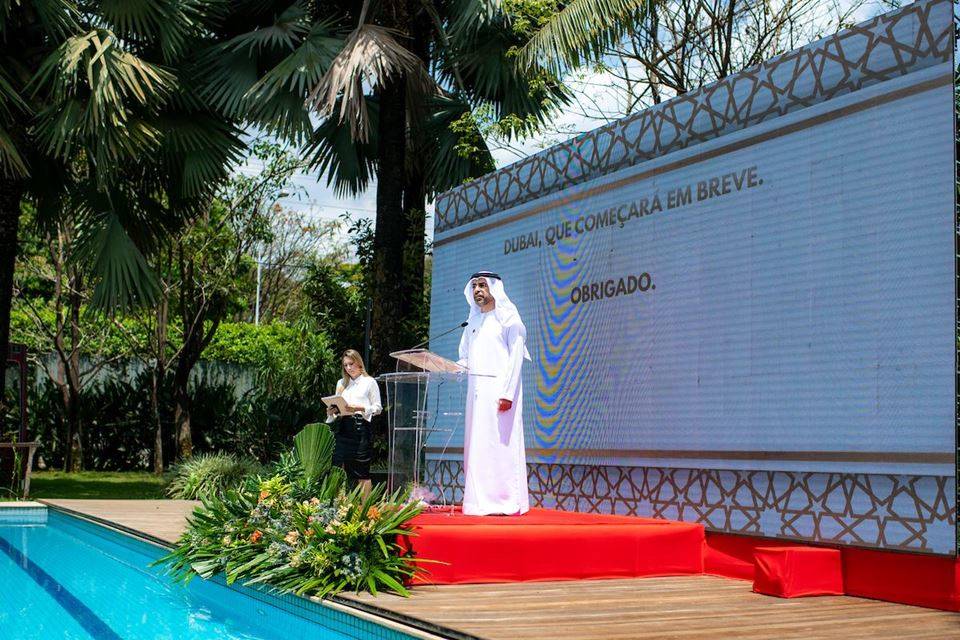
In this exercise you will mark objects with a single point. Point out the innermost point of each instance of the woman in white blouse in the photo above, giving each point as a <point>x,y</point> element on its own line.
<point>354,434</point>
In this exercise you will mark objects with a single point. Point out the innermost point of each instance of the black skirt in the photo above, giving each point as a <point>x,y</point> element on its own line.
<point>353,447</point>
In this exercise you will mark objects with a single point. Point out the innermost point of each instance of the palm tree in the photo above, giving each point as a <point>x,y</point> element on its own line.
<point>100,121</point>
<point>391,79</point>
<point>450,61</point>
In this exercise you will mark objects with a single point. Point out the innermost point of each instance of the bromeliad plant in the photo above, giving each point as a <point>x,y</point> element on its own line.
<point>300,530</point>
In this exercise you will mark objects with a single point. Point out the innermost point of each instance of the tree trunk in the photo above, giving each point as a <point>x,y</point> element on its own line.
<point>414,310</point>
<point>181,421</point>
<point>389,288</point>
<point>11,195</point>
<point>157,376</point>
<point>63,388</point>
<point>75,444</point>
<point>155,406</point>
<point>74,382</point>
<point>181,396</point>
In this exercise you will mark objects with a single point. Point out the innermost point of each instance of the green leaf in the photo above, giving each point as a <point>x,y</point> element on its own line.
<point>348,164</point>
<point>389,581</point>
<point>580,32</point>
<point>125,279</point>
<point>314,446</point>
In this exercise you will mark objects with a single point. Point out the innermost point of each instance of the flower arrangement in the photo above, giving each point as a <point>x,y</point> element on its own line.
<point>421,495</point>
<point>299,530</point>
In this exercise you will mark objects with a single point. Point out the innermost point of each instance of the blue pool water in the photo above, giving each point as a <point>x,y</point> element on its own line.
<point>63,577</point>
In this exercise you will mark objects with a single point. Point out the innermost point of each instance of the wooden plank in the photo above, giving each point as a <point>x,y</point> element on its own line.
<point>686,607</point>
<point>676,607</point>
<point>164,520</point>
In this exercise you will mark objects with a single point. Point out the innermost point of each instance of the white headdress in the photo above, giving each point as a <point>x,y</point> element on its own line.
<point>504,310</point>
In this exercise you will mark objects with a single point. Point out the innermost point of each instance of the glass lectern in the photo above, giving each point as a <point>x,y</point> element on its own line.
<point>424,401</point>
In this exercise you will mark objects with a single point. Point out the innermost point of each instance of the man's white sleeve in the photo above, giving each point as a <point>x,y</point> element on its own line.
<point>515,337</point>
<point>464,348</point>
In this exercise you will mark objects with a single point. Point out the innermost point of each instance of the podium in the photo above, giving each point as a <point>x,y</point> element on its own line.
<point>425,400</point>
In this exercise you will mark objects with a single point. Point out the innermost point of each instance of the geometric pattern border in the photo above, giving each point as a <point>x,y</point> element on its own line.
<point>886,47</point>
<point>898,512</point>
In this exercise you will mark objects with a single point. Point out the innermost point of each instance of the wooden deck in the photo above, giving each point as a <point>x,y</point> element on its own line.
<point>162,520</point>
<point>646,608</point>
<point>678,607</point>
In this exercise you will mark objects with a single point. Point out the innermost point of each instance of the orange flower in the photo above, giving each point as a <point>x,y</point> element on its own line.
<point>255,536</point>
<point>373,513</point>
<point>308,532</point>
<point>264,495</point>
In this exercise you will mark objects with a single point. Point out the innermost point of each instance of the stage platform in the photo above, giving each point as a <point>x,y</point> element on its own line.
<point>548,545</point>
<point>551,545</point>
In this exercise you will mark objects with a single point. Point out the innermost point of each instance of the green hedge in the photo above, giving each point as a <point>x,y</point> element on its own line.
<point>245,343</point>
<point>235,342</point>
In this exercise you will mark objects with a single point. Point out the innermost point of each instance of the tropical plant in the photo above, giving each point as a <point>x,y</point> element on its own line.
<point>314,446</point>
<point>209,475</point>
<point>416,130</point>
<point>300,532</point>
<point>100,119</point>
<point>566,35</point>
<point>398,82</point>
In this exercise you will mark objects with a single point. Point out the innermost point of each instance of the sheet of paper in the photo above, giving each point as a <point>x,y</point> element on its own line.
<point>336,401</point>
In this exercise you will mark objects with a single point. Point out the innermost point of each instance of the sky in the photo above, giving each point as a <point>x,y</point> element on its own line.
<point>313,198</point>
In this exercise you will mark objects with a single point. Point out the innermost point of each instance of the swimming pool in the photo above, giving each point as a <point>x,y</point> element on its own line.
<point>64,577</point>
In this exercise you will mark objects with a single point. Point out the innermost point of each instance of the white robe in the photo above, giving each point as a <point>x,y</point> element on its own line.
<point>495,465</point>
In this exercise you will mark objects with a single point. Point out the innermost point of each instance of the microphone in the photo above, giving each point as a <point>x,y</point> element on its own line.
<point>427,341</point>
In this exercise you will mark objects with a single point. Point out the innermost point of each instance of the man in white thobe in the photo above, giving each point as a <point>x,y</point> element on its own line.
<point>493,346</point>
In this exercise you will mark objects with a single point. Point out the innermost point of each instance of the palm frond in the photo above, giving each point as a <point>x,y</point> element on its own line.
<point>173,24</point>
<point>12,164</point>
<point>314,445</point>
<point>349,165</point>
<point>283,116</point>
<point>285,32</point>
<point>229,76</point>
<point>303,68</point>
<point>470,16</point>
<point>64,128</point>
<point>580,32</point>
<point>370,57</point>
<point>99,96</point>
<point>199,150</point>
<point>11,101</point>
<point>493,78</point>
<point>12,107</point>
<point>58,18</point>
<point>125,280</point>
<point>97,63</point>
<point>451,162</point>
<point>479,59</point>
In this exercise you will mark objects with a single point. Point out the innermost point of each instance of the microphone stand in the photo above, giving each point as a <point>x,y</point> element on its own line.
<point>448,331</point>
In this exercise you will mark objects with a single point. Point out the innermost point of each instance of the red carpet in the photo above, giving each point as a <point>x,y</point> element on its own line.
<point>907,578</point>
<point>565,545</point>
<point>552,545</point>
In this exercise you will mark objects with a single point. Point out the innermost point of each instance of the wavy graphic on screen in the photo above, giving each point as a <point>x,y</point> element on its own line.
<point>565,340</point>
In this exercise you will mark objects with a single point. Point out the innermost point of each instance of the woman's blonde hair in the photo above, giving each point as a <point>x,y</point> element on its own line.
<point>354,355</point>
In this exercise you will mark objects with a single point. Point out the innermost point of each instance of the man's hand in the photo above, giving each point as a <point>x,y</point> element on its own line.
<point>504,405</point>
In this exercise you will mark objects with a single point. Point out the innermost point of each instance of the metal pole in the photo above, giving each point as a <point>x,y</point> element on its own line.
<point>366,334</point>
<point>256,311</point>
